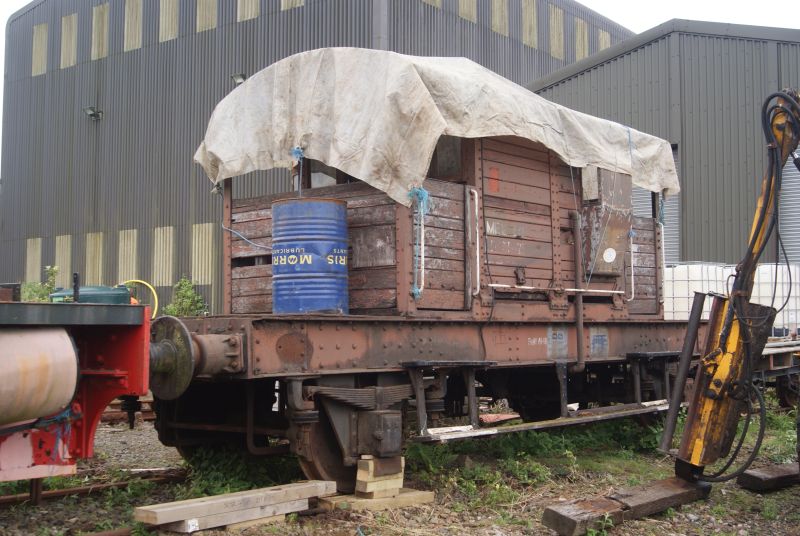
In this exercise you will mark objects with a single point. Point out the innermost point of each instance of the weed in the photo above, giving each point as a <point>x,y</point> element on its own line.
<point>769,509</point>
<point>214,471</point>
<point>185,300</point>
<point>140,529</point>
<point>35,291</point>
<point>525,470</point>
<point>603,524</point>
<point>719,510</point>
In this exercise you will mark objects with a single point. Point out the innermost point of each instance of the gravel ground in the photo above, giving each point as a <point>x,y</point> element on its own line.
<point>728,511</point>
<point>118,447</point>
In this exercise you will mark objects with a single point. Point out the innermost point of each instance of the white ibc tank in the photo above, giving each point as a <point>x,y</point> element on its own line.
<point>38,373</point>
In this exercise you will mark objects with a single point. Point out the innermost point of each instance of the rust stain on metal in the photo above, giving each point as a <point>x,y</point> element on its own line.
<point>294,347</point>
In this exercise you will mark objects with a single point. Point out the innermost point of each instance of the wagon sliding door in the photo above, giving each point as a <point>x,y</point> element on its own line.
<point>522,198</point>
<point>445,279</point>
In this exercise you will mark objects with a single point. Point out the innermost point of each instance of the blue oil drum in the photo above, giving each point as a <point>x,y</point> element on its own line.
<point>309,256</point>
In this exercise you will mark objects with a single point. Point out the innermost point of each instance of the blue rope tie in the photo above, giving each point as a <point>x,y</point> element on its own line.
<point>422,198</point>
<point>297,153</point>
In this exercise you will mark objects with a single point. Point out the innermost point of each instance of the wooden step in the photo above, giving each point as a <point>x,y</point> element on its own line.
<point>606,413</point>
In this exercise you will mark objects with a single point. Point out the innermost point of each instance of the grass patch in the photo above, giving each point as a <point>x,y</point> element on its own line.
<point>497,472</point>
<point>213,471</point>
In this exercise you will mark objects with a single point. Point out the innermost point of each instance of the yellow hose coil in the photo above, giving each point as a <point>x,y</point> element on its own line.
<point>152,291</point>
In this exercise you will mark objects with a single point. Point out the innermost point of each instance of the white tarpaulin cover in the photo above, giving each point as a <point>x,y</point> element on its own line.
<point>378,115</point>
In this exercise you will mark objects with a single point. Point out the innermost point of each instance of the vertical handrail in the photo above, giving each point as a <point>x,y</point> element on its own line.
<point>633,276</point>
<point>477,246</point>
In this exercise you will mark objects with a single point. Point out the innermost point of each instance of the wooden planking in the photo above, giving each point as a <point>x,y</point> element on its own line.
<point>373,299</point>
<point>443,238</point>
<point>536,152</point>
<point>258,270</point>
<point>158,514</point>
<point>339,191</point>
<point>406,497</point>
<point>509,215</point>
<point>447,253</point>
<point>530,273</point>
<point>444,280</point>
<point>442,222</point>
<point>516,229</point>
<point>519,248</point>
<point>373,246</point>
<point>515,205</point>
<point>251,304</point>
<point>377,278</point>
<point>235,516</point>
<point>241,249</point>
<point>441,299</point>
<point>507,260</point>
<point>519,192</point>
<point>251,286</point>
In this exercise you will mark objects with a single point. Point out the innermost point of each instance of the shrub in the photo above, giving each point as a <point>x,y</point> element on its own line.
<point>185,300</point>
<point>34,291</point>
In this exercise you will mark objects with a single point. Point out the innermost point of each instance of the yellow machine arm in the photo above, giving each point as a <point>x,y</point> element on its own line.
<point>737,329</point>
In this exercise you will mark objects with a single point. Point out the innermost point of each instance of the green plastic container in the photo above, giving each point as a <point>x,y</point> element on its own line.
<point>111,295</point>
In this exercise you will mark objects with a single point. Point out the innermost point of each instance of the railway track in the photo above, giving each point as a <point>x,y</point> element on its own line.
<point>37,494</point>
<point>115,414</point>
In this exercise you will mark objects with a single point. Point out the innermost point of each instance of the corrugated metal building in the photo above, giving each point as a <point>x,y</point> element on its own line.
<point>699,85</point>
<point>106,101</point>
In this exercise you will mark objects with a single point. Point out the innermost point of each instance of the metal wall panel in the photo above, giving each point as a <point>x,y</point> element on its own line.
<point>702,91</point>
<point>670,219</point>
<point>65,174</point>
<point>789,55</point>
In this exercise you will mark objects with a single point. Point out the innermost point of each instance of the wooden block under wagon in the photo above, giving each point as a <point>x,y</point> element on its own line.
<point>383,494</point>
<point>370,468</point>
<point>406,497</point>
<point>160,514</point>
<point>379,485</point>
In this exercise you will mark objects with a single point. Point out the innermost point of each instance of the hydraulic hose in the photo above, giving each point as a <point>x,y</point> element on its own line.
<point>152,292</point>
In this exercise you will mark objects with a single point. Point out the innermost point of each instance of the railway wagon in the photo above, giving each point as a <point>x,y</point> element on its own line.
<point>508,265</point>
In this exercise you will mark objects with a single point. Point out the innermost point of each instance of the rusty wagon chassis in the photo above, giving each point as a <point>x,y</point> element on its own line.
<point>333,388</point>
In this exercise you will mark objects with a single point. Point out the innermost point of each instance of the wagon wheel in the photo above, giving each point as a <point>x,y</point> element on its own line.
<point>324,461</point>
<point>788,388</point>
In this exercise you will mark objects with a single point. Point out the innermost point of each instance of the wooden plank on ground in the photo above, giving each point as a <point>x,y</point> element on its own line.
<point>158,514</point>
<point>406,497</point>
<point>658,496</point>
<point>770,478</point>
<point>235,516</point>
<point>574,518</point>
